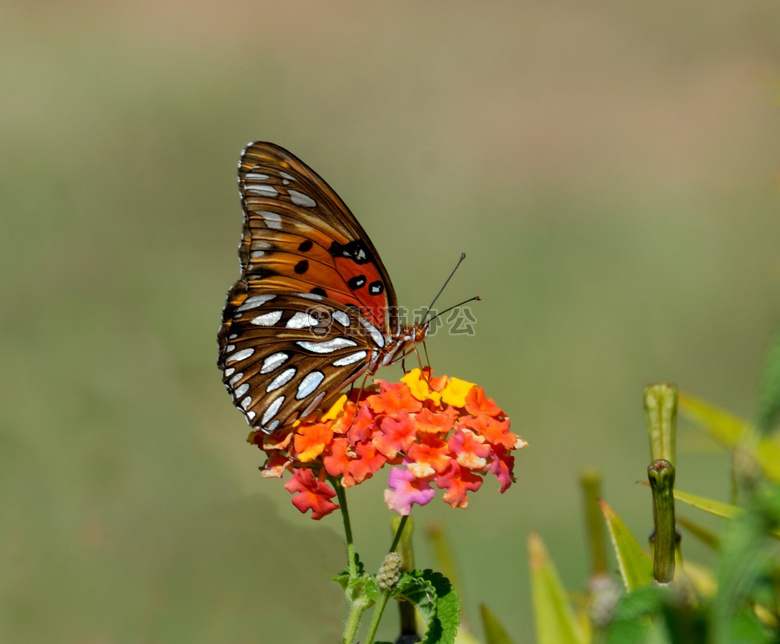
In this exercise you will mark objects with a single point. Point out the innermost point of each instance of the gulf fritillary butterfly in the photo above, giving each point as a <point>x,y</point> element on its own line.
<point>314,307</point>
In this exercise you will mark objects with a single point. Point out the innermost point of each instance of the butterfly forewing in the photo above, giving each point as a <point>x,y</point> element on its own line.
<point>314,305</point>
<point>297,227</point>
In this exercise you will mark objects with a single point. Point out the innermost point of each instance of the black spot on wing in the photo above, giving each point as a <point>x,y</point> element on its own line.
<point>356,282</point>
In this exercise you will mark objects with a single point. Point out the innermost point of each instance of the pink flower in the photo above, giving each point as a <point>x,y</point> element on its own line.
<point>405,489</point>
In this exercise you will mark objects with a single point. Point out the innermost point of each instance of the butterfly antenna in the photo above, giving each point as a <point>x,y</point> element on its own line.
<point>476,298</point>
<point>441,290</point>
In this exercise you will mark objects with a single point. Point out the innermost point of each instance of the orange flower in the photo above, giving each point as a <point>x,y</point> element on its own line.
<point>311,440</point>
<point>435,430</point>
<point>393,399</point>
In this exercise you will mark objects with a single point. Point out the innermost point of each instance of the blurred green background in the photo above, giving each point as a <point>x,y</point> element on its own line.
<point>610,168</point>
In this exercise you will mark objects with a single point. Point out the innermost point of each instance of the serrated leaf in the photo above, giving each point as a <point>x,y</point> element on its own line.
<point>435,599</point>
<point>555,619</point>
<point>495,633</point>
<point>635,566</point>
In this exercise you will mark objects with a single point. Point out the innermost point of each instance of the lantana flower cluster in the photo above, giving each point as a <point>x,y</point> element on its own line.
<point>434,433</point>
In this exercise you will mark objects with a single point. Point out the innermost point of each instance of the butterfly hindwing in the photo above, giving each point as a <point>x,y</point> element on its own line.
<point>284,354</point>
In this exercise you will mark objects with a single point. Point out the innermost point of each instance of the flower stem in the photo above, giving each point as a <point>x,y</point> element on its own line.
<point>356,610</point>
<point>341,494</point>
<point>398,533</point>
<point>379,608</point>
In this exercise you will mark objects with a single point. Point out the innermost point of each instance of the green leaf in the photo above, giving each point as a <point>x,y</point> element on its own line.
<point>710,506</point>
<point>768,410</point>
<point>435,599</point>
<point>732,431</point>
<point>724,427</point>
<point>717,508</point>
<point>635,566</point>
<point>705,535</point>
<point>554,617</point>
<point>495,633</point>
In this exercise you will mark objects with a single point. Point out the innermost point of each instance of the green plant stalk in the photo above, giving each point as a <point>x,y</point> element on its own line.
<point>406,611</point>
<point>341,495</point>
<point>591,487</point>
<point>661,475</point>
<point>379,608</point>
<point>661,411</point>
<point>356,610</point>
<point>384,595</point>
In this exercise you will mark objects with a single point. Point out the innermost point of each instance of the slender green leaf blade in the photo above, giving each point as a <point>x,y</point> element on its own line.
<point>495,633</point>
<point>723,426</point>
<point>555,619</point>
<point>635,566</point>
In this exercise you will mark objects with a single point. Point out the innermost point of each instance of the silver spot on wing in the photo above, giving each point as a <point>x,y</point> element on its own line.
<point>300,199</point>
<point>376,336</point>
<point>254,302</point>
<point>352,358</point>
<point>282,379</point>
<point>262,190</point>
<point>272,410</point>
<point>267,319</point>
<point>273,361</point>
<point>309,384</point>
<point>239,355</point>
<point>301,320</point>
<point>329,346</point>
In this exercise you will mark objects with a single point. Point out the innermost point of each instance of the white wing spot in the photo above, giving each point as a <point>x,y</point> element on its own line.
<point>242,390</point>
<point>229,372</point>
<point>314,404</point>
<point>272,410</point>
<point>341,317</point>
<point>267,319</point>
<point>259,243</point>
<point>251,415</point>
<point>352,358</point>
<point>285,176</point>
<point>376,336</point>
<point>257,253</point>
<point>246,402</point>
<point>309,296</point>
<point>329,346</point>
<point>282,379</point>
<point>309,384</point>
<point>300,199</point>
<point>262,190</point>
<point>273,361</point>
<point>234,380</point>
<point>230,347</point>
<point>240,355</point>
<point>254,302</point>
<point>301,320</point>
<point>272,426</point>
<point>256,176</point>
<point>272,219</point>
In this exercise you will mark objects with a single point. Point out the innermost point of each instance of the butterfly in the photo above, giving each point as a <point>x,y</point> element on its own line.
<point>314,307</point>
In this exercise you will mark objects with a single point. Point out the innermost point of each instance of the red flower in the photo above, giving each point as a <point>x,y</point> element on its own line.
<point>311,494</point>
